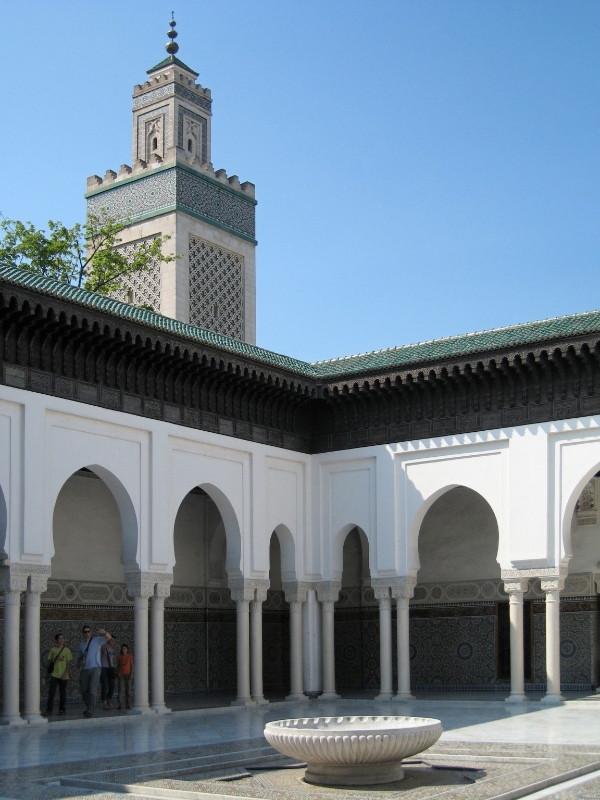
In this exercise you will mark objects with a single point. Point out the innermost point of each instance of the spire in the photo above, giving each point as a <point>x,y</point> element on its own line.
<point>172,47</point>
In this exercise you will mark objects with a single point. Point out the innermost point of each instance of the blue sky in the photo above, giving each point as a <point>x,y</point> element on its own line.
<point>423,168</point>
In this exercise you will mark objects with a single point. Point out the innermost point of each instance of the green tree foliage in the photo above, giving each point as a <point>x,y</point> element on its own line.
<point>84,255</point>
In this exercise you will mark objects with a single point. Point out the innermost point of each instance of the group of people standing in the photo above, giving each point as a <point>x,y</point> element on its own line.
<point>98,664</point>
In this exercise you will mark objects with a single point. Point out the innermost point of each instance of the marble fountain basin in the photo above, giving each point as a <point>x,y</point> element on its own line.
<point>353,751</point>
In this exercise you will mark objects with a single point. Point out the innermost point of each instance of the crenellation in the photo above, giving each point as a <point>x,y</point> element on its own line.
<point>109,176</point>
<point>93,182</point>
<point>124,171</point>
<point>167,77</point>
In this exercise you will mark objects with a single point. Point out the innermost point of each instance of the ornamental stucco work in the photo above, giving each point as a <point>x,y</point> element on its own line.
<point>176,187</point>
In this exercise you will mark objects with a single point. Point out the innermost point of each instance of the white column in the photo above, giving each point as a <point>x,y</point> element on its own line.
<point>141,593</point>
<point>243,653</point>
<point>32,656</point>
<point>295,594</point>
<point>10,656</point>
<point>256,646</point>
<point>385,642</point>
<point>157,648</point>
<point>516,590</point>
<point>328,593</point>
<point>312,641</point>
<point>403,593</point>
<point>552,588</point>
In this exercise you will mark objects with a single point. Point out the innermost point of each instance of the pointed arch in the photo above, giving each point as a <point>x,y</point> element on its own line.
<point>128,516</point>
<point>426,506</point>
<point>288,552</point>
<point>337,554</point>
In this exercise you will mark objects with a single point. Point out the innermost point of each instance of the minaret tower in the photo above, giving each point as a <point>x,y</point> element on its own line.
<point>172,189</point>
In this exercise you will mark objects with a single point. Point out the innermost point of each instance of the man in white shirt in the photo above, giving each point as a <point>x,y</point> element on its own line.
<point>88,660</point>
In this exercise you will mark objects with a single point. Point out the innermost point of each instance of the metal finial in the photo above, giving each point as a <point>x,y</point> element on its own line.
<point>172,47</point>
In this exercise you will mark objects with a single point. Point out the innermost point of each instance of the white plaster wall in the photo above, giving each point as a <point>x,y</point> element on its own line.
<point>150,466</point>
<point>87,532</point>
<point>458,539</point>
<point>585,543</point>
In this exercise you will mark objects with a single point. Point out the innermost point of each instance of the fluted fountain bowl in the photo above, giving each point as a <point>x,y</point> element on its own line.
<point>353,751</point>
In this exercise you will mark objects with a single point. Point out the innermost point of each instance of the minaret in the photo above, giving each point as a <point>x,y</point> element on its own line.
<point>172,190</point>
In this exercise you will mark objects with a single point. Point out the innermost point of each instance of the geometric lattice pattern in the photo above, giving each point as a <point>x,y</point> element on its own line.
<point>174,187</point>
<point>141,288</point>
<point>216,288</point>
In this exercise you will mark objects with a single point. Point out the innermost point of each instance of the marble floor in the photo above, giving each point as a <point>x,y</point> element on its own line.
<point>577,722</point>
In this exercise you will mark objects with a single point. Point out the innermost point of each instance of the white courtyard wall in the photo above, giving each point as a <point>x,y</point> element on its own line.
<point>150,467</point>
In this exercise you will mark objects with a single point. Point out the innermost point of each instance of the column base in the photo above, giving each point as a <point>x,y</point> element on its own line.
<point>291,697</point>
<point>260,701</point>
<point>13,722</point>
<point>161,709</point>
<point>517,698</point>
<point>552,700</point>
<point>243,701</point>
<point>35,719</point>
<point>329,696</point>
<point>140,711</point>
<point>384,696</point>
<point>404,697</point>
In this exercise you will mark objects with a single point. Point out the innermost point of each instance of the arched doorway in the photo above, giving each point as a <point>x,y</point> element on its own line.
<point>95,535</point>
<point>200,617</point>
<point>579,600</point>
<point>356,621</point>
<point>459,627</point>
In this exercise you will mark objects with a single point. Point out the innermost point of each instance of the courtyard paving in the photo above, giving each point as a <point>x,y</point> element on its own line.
<point>488,750</point>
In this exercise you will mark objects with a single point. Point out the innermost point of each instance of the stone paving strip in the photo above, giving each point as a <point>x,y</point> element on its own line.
<point>252,769</point>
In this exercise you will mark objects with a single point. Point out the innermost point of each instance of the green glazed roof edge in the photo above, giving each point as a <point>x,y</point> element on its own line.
<point>464,344</point>
<point>22,277</point>
<point>171,60</point>
<point>394,357</point>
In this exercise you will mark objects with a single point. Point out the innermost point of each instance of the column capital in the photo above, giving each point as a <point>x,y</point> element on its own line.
<point>296,591</point>
<point>552,584</point>
<point>402,586</point>
<point>19,577</point>
<point>163,587</point>
<point>328,591</point>
<point>141,584</point>
<point>516,586</point>
<point>382,592</point>
<point>245,589</point>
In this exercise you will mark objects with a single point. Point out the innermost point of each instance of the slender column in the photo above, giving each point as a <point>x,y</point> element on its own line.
<point>403,592</point>
<point>32,658</point>
<point>516,590</point>
<point>157,644</point>
<point>243,651</point>
<point>256,647</point>
<point>552,588</point>
<point>295,594</point>
<point>328,593</point>
<point>385,642</point>
<point>12,613</point>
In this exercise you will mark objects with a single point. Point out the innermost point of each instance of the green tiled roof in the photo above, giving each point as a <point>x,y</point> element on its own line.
<point>394,357</point>
<point>49,286</point>
<point>453,346</point>
<point>170,60</point>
